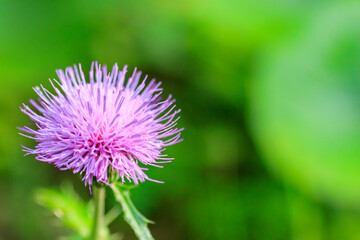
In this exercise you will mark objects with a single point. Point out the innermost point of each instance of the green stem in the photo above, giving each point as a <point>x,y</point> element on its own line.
<point>112,215</point>
<point>99,224</point>
<point>132,216</point>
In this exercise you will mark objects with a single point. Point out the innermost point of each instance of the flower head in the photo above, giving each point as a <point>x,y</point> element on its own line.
<point>107,123</point>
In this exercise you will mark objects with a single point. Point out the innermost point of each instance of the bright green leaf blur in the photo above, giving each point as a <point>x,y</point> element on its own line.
<point>68,207</point>
<point>307,118</point>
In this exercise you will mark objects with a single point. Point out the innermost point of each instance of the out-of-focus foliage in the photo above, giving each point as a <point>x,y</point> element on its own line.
<point>68,207</point>
<point>306,104</point>
<point>269,92</point>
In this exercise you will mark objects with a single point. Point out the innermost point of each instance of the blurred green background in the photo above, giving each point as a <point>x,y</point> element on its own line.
<point>270,99</point>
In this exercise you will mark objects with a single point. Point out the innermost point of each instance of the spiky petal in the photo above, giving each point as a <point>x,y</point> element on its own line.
<point>106,123</point>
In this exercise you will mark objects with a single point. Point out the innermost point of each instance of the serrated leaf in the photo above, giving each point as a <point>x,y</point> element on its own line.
<point>131,215</point>
<point>68,207</point>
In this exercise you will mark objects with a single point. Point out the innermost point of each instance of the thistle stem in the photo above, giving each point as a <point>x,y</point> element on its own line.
<point>99,223</point>
<point>132,216</point>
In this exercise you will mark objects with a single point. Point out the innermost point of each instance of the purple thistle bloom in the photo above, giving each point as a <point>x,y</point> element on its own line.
<point>89,127</point>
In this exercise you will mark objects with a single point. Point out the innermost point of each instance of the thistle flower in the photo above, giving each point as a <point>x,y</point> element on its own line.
<point>108,123</point>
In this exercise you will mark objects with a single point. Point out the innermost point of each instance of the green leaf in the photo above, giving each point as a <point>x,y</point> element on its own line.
<point>68,207</point>
<point>131,215</point>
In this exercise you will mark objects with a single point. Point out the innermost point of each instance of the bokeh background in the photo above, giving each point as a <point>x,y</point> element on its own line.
<point>270,99</point>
